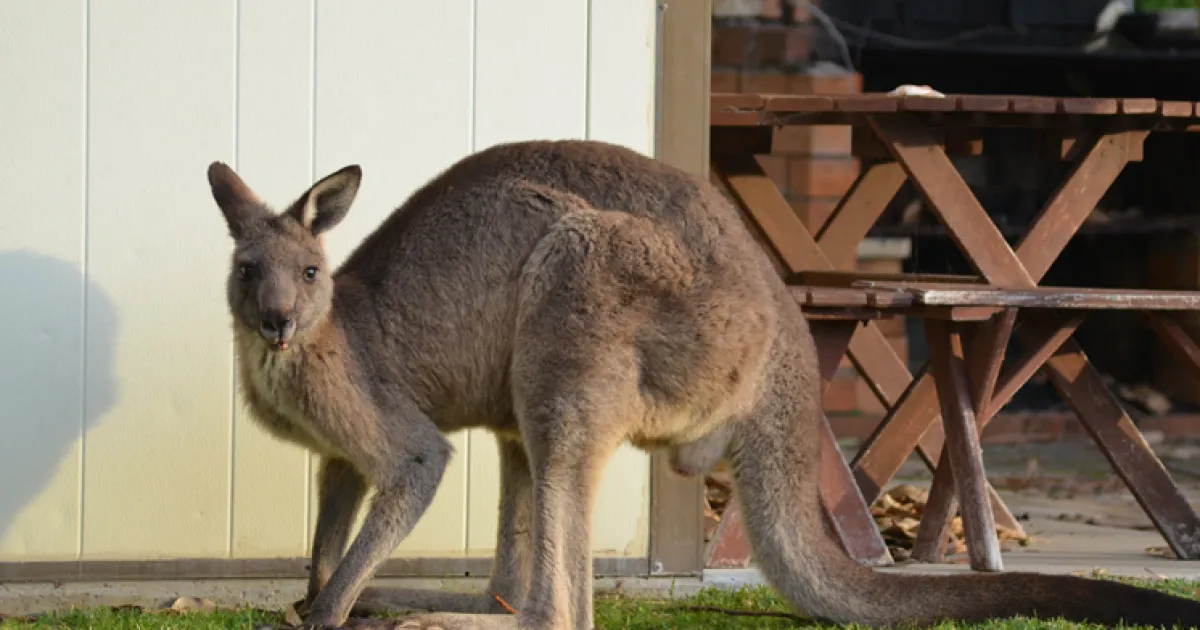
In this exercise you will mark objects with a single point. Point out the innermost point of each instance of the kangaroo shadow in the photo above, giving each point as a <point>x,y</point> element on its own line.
<point>56,381</point>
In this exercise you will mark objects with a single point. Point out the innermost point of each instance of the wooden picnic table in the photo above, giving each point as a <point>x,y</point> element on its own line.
<point>969,319</point>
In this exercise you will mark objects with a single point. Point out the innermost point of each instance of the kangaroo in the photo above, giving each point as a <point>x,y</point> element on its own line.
<point>569,296</point>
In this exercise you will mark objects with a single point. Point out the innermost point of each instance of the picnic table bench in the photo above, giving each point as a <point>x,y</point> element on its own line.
<point>969,319</point>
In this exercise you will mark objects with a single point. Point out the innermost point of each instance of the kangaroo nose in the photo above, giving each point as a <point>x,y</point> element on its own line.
<point>277,326</point>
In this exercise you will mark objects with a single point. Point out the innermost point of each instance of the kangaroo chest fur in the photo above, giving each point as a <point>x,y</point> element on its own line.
<point>272,386</point>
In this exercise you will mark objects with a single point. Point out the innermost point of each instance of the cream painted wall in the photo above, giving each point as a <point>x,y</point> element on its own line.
<point>121,435</point>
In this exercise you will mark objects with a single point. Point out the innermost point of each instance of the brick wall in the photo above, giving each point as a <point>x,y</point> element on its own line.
<point>767,46</point>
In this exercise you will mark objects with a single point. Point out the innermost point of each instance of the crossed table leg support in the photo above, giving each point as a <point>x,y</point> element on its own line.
<point>735,167</point>
<point>1096,162</point>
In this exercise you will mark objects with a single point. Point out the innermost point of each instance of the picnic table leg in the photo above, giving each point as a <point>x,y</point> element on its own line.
<point>1178,341</point>
<point>844,506</point>
<point>933,534</point>
<point>1099,160</point>
<point>758,197</point>
<point>1082,387</point>
<point>962,444</point>
<point>911,420</point>
<point>858,210</point>
<point>983,371</point>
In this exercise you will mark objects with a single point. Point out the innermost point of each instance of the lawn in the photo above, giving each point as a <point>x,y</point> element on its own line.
<point>611,613</point>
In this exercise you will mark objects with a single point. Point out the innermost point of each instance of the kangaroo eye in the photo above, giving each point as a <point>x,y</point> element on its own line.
<point>310,274</point>
<point>245,270</point>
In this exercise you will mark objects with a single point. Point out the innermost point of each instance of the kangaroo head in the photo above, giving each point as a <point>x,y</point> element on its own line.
<point>278,283</point>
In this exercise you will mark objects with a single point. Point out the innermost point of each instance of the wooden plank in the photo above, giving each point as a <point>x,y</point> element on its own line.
<point>271,485</point>
<point>951,199</point>
<point>730,546</point>
<point>819,313</point>
<point>1033,105</point>
<point>181,74</point>
<point>858,210</point>
<point>736,102</point>
<point>1177,109</point>
<point>1089,106</point>
<point>676,519</point>
<point>1178,342</point>
<point>911,424</point>
<point>784,103</point>
<point>844,505</point>
<point>1045,333</point>
<point>849,279</point>
<point>870,350</point>
<point>912,408</point>
<point>947,103</point>
<point>959,139</point>
<point>622,82</point>
<point>761,199</point>
<point>49,300</point>
<point>934,531</point>
<point>962,445</point>
<point>1119,439</point>
<point>1074,200</point>
<point>822,296</point>
<point>985,103</point>
<point>889,299</point>
<point>1046,297</point>
<point>1139,106</point>
<point>983,371</point>
<point>983,367</point>
<point>875,103</point>
<point>739,119</point>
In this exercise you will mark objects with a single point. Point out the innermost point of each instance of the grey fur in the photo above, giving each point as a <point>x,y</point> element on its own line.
<point>569,296</point>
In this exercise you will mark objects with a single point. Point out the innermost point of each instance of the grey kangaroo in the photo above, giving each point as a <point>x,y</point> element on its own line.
<point>568,296</point>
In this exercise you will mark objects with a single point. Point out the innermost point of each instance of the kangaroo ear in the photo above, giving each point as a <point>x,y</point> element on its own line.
<point>238,203</point>
<point>328,201</point>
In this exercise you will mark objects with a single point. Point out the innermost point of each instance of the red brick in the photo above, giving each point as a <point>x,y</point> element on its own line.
<point>763,9</point>
<point>765,82</point>
<point>821,177</point>
<point>800,12</point>
<point>824,140</point>
<point>880,265</point>
<point>776,167</point>
<point>731,46</point>
<point>782,45</point>
<point>813,211</point>
<point>849,83</point>
<point>726,81</point>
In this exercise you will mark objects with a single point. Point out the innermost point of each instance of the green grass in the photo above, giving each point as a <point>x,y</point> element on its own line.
<point>612,612</point>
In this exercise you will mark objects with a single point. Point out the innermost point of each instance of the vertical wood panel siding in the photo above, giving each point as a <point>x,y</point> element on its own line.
<point>121,435</point>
